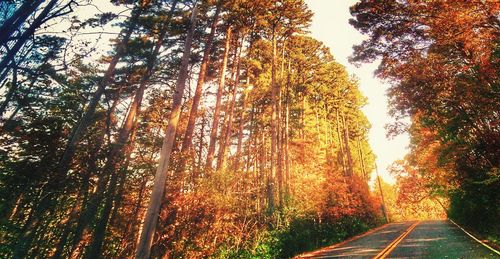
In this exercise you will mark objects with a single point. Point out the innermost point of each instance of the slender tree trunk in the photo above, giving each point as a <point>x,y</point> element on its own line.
<point>193,114</point>
<point>362,160</point>
<point>287,137</point>
<point>341,144</point>
<point>112,200</point>
<point>347,149</point>
<point>318,130</point>
<point>9,26</point>
<point>302,117</point>
<point>241,127</point>
<point>264,183</point>
<point>220,90</point>
<point>251,140</point>
<point>81,127</point>
<point>83,193</point>
<point>100,228</point>
<point>384,208</point>
<point>5,64</point>
<point>130,227</point>
<point>279,130</point>
<point>91,169</point>
<point>110,167</point>
<point>226,138</point>
<point>201,142</point>
<point>150,220</point>
<point>10,93</point>
<point>274,127</point>
<point>31,226</point>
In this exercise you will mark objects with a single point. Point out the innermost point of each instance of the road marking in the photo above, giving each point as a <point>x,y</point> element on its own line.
<point>313,253</point>
<point>388,249</point>
<point>473,237</point>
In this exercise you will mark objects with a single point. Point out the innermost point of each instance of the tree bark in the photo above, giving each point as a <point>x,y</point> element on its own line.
<point>241,127</point>
<point>347,149</point>
<point>193,114</point>
<point>112,201</point>
<point>110,167</point>
<point>341,144</point>
<point>274,128</point>
<point>226,137</point>
<point>220,90</point>
<point>10,93</point>
<point>287,122</point>
<point>150,220</point>
<point>5,64</point>
<point>362,160</point>
<point>84,122</point>
<point>9,26</point>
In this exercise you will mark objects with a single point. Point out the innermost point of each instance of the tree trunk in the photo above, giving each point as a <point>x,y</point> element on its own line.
<point>341,144</point>
<point>10,93</point>
<point>226,137</point>
<point>347,149</point>
<point>220,90</point>
<point>9,26</point>
<point>110,167</point>
<point>302,117</point>
<point>287,122</point>
<point>91,169</point>
<point>251,140</point>
<point>279,131</point>
<point>362,160</point>
<point>274,128</point>
<point>151,217</point>
<point>84,122</point>
<point>201,143</point>
<point>5,64</point>
<point>263,183</point>
<point>193,114</point>
<point>241,127</point>
<point>130,228</point>
<point>112,200</point>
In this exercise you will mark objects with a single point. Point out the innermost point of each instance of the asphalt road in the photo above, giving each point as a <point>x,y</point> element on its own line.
<point>424,239</point>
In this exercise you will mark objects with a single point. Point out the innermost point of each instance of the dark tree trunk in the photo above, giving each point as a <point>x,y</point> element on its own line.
<point>14,22</point>
<point>6,63</point>
<point>84,122</point>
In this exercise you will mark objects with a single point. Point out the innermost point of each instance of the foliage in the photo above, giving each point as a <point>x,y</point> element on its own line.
<point>82,126</point>
<point>442,60</point>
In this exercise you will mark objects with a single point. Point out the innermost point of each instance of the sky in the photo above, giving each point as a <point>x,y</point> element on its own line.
<point>331,26</point>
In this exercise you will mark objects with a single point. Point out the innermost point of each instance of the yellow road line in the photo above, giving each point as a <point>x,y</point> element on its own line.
<point>313,253</point>
<point>388,249</point>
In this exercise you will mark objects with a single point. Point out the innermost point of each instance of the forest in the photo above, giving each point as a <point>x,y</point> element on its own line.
<point>223,129</point>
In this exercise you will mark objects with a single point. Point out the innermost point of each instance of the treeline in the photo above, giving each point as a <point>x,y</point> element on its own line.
<point>209,129</point>
<point>442,59</point>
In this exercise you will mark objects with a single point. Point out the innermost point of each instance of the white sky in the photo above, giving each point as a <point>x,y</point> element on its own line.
<point>330,25</point>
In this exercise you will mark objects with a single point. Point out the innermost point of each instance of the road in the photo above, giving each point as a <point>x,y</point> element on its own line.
<point>415,239</point>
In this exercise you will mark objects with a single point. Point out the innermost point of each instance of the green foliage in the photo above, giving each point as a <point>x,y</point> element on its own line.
<point>473,205</point>
<point>300,235</point>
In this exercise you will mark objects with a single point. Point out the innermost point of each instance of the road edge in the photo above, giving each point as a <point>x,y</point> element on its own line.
<point>475,238</point>
<point>309,254</point>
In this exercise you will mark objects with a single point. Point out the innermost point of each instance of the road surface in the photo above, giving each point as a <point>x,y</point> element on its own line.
<point>415,239</point>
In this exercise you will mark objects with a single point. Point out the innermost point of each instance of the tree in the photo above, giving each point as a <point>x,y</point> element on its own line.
<point>439,57</point>
<point>143,249</point>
